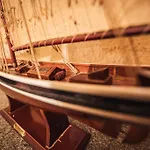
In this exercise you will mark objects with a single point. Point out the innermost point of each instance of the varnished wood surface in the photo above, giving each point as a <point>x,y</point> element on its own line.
<point>117,80</point>
<point>121,75</point>
<point>100,124</point>
<point>62,107</point>
<point>87,116</point>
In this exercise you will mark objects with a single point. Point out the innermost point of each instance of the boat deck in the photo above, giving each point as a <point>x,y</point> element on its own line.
<point>120,77</point>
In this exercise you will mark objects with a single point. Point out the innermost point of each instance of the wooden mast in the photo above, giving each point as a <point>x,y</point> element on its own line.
<point>12,55</point>
<point>3,53</point>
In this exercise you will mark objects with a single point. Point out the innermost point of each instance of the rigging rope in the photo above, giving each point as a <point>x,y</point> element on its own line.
<point>13,21</point>
<point>29,38</point>
<point>46,9</point>
<point>8,20</point>
<point>57,48</point>
<point>2,61</point>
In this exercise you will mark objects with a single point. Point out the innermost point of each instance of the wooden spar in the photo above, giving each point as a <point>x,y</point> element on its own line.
<point>2,60</point>
<point>3,53</point>
<point>130,31</point>
<point>12,55</point>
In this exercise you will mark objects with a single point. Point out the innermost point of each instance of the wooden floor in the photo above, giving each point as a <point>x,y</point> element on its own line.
<point>11,140</point>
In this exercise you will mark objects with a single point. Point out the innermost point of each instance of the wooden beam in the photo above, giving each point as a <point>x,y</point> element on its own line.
<point>130,31</point>
<point>12,54</point>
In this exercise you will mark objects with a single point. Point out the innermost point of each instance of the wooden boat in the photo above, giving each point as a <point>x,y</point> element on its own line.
<point>102,96</point>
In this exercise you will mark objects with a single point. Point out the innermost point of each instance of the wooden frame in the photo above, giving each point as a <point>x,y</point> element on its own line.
<point>44,129</point>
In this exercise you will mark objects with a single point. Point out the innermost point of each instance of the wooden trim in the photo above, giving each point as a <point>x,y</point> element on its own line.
<point>130,31</point>
<point>72,109</point>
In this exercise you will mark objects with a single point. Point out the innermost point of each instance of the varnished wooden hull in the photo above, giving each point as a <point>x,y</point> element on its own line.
<point>103,107</point>
<point>129,104</point>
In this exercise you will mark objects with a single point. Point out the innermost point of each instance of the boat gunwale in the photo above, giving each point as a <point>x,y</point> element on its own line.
<point>113,91</point>
<point>80,109</point>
